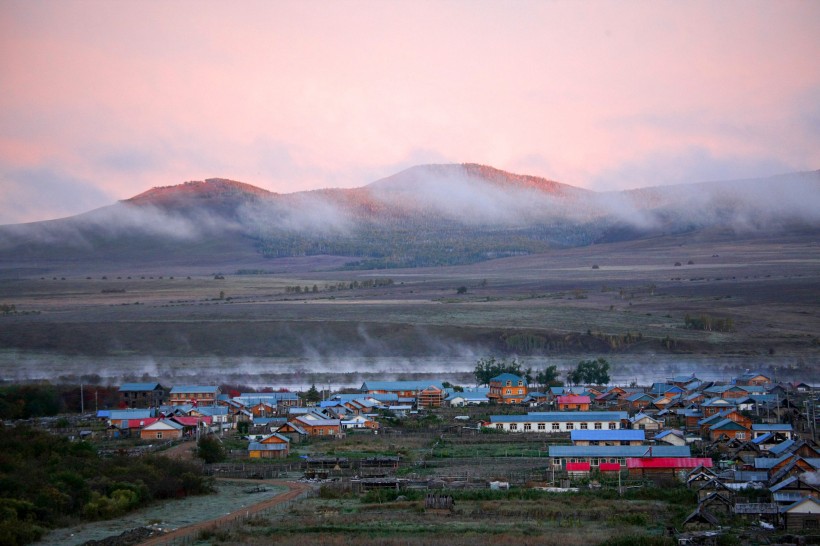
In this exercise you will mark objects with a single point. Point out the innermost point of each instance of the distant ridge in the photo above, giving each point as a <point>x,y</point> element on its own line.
<point>423,216</point>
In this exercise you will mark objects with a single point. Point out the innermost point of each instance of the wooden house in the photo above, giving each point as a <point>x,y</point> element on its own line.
<point>727,429</point>
<point>753,378</point>
<point>319,427</point>
<point>163,429</point>
<point>802,516</point>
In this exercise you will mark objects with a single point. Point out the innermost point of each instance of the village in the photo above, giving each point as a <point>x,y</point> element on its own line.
<point>746,447</point>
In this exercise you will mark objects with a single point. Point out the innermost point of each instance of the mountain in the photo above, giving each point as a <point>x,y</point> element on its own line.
<point>427,215</point>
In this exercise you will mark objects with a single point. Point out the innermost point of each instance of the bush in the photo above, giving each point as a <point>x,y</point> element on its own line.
<point>210,450</point>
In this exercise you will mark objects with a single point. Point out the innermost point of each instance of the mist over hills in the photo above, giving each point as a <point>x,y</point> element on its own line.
<point>424,216</point>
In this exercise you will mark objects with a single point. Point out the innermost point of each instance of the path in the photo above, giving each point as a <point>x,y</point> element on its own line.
<point>295,489</point>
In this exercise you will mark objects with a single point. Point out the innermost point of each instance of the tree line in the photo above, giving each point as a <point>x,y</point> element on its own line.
<point>587,372</point>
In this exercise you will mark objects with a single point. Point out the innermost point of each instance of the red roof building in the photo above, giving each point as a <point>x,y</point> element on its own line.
<point>573,402</point>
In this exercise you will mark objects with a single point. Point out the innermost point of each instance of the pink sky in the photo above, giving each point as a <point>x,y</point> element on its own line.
<point>102,100</point>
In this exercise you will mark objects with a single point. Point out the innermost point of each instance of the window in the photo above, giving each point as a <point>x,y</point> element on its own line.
<point>509,383</point>
<point>594,442</point>
<point>624,442</point>
<point>513,426</point>
<point>527,426</point>
<point>509,391</point>
<point>520,391</point>
<point>570,426</point>
<point>612,426</point>
<point>542,426</point>
<point>499,426</point>
<point>594,461</point>
<point>740,435</point>
<point>556,426</point>
<point>597,426</point>
<point>584,426</point>
<point>159,435</point>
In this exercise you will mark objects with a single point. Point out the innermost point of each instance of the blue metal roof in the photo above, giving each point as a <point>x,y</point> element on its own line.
<point>608,435</point>
<point>257,446</point>
<point>772,427</point>
<point>619,451</point>
<point>509,377</point>
<point>139,387</point>
<point>116,415</point>
<point>782,447</point>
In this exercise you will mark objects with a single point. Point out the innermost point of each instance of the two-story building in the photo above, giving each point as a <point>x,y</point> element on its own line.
<point>507,388</point>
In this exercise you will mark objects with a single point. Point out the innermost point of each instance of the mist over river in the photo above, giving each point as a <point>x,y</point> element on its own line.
<point>347,372</point>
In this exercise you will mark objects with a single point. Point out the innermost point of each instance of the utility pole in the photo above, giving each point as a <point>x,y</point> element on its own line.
<point>82,401</point>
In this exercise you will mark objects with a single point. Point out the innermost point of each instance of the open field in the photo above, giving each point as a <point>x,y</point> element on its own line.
<point>632,308</point>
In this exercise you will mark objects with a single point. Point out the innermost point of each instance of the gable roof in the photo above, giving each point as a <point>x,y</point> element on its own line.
<point>163,424</point>
<point>509,377</point>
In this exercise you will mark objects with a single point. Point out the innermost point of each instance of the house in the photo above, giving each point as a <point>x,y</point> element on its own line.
<point>682,380</point>
<point>359,422</point>
<point>794,488</point>
<point>558,421</point>
<point>725,391</point>
<point>642,421</point>
<point>141,395</point>
<point>293,431</point>
<point>714,405</point>
<point>198,395</point>
<point>803,516</point>
<point>117,418</point>
<point>190,425</point>
<point>618,437</point>
<point>163,429</point>
<point>507,388</point>
<point>639,400</point>
<point>699,520</point>
<point>665,389</point>
<point>273,446</point>
<point>468,397</point>
<point>315,426</point>
<point>607,458</point>
<point>570,402</point>
<point>727,429</point>
<point>672,437</point>
<point>220,415</point>
<point>783,430</point>
<point>535,398</point>
<point>403,389</point>
<point>753,378</point>
<point>431,397</point>
<point>658,468</point>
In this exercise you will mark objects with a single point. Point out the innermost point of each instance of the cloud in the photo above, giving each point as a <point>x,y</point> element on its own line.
<point>42,193</point>
<point>690,165</point>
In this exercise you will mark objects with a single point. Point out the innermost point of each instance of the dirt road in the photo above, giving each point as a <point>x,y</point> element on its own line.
<point>294,490</point>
